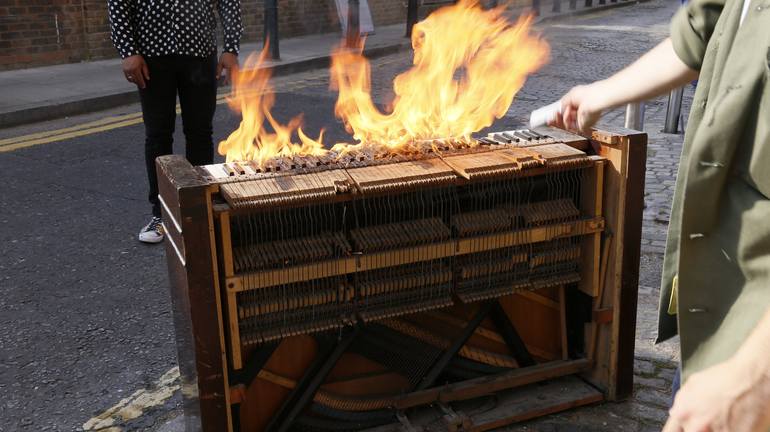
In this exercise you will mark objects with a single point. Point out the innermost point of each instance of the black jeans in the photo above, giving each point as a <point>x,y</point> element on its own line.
<point>194,79</point>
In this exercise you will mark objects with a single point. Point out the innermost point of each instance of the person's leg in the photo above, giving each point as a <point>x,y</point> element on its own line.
<point>197,97</point>
<point>159,114</point>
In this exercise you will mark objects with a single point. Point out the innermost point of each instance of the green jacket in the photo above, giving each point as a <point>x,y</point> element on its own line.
<point>719,233</point>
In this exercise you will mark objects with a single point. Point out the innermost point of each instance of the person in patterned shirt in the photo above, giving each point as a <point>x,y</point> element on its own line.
<point>169,47</point>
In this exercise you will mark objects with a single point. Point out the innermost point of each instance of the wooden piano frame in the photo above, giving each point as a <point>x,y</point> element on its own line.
<point>213,381</point>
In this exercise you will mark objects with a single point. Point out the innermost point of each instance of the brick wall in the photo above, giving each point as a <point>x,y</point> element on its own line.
<point>37,32</point>
<point>295,18</point>
<point>386,12</point>
<point>44,32</point>
<point>97,24</point>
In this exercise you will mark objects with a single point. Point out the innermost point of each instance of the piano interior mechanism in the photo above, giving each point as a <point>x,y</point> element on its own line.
<point>451,286</point>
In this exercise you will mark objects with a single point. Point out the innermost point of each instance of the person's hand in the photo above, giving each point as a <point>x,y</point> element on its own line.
<point>580,109</point>
<point>728,397</point>
<point>136,71</point>
<point>229,62</point>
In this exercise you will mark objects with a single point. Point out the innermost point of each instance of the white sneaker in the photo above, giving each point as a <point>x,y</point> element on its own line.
<point>152,232</point>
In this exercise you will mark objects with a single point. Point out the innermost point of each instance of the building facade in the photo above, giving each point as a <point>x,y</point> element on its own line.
<point>45,32</point>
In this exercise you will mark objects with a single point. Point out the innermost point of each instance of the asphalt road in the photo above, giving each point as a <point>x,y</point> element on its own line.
<point>84,307</point>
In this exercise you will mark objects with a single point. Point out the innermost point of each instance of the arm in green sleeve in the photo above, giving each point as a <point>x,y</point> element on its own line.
<point>692,27</point>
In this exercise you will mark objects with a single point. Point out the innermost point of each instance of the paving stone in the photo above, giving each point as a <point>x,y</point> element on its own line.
<point>174,425</point>
<point>644,367</point>
<point>652,382</point>
<point>653,397</point>
<point>667,371</point>
<point>647,413</point>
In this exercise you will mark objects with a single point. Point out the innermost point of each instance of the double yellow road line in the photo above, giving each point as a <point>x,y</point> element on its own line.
<point>15,143</point>
<point>108,123</point>
<point>96,126</point>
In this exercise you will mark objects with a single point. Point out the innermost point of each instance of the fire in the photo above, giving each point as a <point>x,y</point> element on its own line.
<point>468,65</point>
<point>253,97</point>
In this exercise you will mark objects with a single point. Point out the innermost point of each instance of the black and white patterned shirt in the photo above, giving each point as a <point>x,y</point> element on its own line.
<point>161,27</point>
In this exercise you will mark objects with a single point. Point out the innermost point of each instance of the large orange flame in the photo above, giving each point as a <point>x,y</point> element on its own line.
<point>468,65</point>
<point>253,97</point>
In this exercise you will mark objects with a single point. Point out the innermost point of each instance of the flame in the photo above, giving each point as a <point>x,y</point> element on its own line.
<point>253,97</point>
<point>468,65</point>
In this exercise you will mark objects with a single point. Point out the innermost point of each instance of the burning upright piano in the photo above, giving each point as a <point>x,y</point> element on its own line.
<point>459,285</point>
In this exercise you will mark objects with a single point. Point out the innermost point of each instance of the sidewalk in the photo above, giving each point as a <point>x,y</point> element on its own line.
<point>44,93</point>
<point>49,92</point>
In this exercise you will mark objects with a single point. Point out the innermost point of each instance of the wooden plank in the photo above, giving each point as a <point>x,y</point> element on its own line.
<point>605,136</point>
<point>263,398</point>
<point>226,251</point>
<point>590,254</point>
<point>447,318</point>
<point>538,325</point>
<point>237,394</point>
<point>174,173</point>
<point>597,301</point>
<point>195,300</point>
<point>483,164</point>
<point>529,402</point>
<point>402,175</point>
<point>561,135</point>
<point>489,384</point>
<point>603,316</point>
<point>405,256</point>
<point>234,330</point>
<point>543,300</point>
<point>293,274</point>
<point>218,299</point>
<point>532,235</point>
<point>614,200</point>
<point>591,205</point>
<point>261,279</point>
<point>623,201</point>
<point>508,407</point>
<point>226,244</point>
<point>283,190</point>
<point>558,152</point>
<point>624,319</point>
<point>516,161</point>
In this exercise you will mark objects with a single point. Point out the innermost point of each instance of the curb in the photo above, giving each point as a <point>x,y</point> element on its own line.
<point>62,109</point>
<point>82,106</point>
<point>589,10</point>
